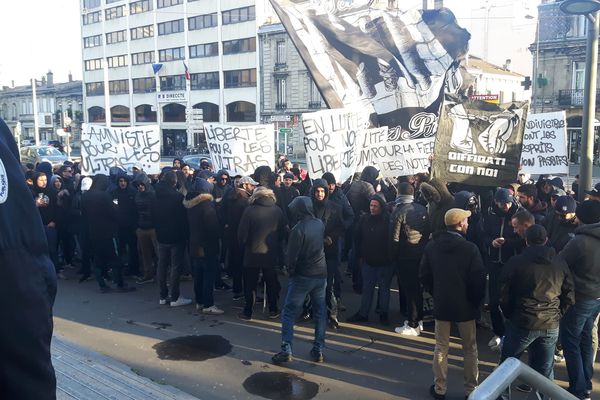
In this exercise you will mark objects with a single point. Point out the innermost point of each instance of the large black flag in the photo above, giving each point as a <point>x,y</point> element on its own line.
<point>479,143</point>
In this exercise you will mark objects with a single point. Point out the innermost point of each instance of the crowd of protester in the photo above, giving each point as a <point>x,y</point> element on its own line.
<point>527,253</point>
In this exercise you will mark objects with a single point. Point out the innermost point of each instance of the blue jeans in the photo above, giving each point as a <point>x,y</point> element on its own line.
<point>205,270</point>
<point>298,288</point>
<point>576,338</point>
<point>541,345</point>
<point>371,277</point>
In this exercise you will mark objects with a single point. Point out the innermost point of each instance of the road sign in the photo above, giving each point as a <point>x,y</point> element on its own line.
<point>285,131</point>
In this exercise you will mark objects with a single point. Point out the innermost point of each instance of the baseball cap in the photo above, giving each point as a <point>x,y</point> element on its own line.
<point>565,205</point>
<point>536,235</point>
<point>588,212</point>
<point>595,191</point>
<point>503,196</point>
<point>455,215</point>
<point>248,180</point>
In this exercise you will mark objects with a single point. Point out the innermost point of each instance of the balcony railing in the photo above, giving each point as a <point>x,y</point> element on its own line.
<point>280,66</point>
<point>573,97</point>
<point>280,106</point>
<point>314,104</point>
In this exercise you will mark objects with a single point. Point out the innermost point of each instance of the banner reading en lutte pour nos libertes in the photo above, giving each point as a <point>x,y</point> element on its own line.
<point>479,143</point>
<point>394,65</point>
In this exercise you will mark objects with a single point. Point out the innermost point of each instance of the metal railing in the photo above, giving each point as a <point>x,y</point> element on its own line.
<point>573,97</point>
<point>499,381</point>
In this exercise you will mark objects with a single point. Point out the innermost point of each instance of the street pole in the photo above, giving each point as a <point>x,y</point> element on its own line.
<point>36,128</point>
<point>589,105</point>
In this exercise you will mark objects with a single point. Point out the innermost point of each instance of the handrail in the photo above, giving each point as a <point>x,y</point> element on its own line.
<point>507,372</point>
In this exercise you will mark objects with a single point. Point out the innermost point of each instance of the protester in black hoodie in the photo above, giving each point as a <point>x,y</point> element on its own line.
<point>452,271</point>
<point>204,243</point>
<point>371,245</point>
<point>287,193</point>
<point>145,232</point>
<point>439,200</point>
<point>536,291</point>
<point>124,198</point>
<point>222,184</point>
<point>308,272</point>
<point>45,201</point>
<point>100,216</point>
<point>171,233</point>
<point>27,286</point>
<point>261,233</point>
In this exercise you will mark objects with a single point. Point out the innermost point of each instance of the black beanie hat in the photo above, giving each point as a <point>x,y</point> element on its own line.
<point>328,176</point>
<point>588,212</point>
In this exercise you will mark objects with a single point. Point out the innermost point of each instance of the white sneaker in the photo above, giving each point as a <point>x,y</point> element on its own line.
<point>494,342</point>
<point>213,310</point>
<point>408,330</point>
<point>181,301</point>
<point>162,302</point>
<point>199,307</point>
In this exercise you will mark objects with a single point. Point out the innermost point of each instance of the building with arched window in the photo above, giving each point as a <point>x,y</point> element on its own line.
<point>127,41</point>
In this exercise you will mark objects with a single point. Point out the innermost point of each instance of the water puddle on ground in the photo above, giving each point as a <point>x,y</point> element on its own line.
<point>280,386</point>
<point>193,348</point>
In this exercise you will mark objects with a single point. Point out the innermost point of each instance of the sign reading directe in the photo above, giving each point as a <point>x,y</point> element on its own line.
<point>171,97</point>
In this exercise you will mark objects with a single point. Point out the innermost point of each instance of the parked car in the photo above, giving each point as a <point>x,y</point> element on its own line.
<point>193,160</point>
<point>37,154</point>
<point>28,142</point>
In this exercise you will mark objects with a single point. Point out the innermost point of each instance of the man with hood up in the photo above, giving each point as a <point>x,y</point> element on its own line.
<point>439,200</point>
<point>452,271</point>
<point>287,193</point>
<point>124,198</point>
<point>261,234</point>
<point>205,233</point>
<point>100,216</point>
<point>45,201</point>
<point>27,286</point>
<point>308,273</point>
<point>145,232</point>
<point>331,216</point>
<point>222,184</point>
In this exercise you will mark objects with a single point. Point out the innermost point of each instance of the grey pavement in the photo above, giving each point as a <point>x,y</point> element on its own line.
<point>231,358</point>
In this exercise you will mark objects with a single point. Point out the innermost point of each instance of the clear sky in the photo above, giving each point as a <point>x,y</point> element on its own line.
<point>41,35</point>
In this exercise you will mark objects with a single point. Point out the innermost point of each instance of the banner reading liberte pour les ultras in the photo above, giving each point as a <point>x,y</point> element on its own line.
<point>479,143</point>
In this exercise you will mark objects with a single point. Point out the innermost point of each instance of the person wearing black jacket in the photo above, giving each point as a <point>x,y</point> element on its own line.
<point>145,232</point>
<point>439,200</point>
<point>261,234</point>
<point>205,233</point>
<point>308,273</point>
<point>45,201</point>
<point>528,197</point>
<point>124,198</point>
<point>452,271</point>
<point>287,193</point>
<point>409,233</point>
<point>561,224</point>
<point>100,216</point>
<point>171,227</point>
<point>536,291</point>
<point>500,242</point>
<point>371,245</point>
<point>582,255</point>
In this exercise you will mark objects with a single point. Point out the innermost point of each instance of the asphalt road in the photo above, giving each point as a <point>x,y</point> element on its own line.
<point>232,359</point>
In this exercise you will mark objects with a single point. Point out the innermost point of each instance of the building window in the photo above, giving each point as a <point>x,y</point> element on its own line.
<point>238,15</point>
<point>144,85</point>
<point>142,32</point>
<point>92,41</point>
<point>210,111</point>
<point>87,4</point>
<point>92,65</point>
<point>281,93</point>
<point>96,114</point>
<point>146,57</point>
<point>173,82</point>
<point>91,18</point>
<point>241,111</point>
<point>144,113</point>
<point>314,97</point>
<point>206,80</point>
<point>138,7</point>
<point>117,61</point>
<point>118,87</point>
<point>176,53</point>
<point>204,50</point>
<point>174,112</point>
<point>114,12</point>
<point>281,55</point>
<point>94,88</point>
<point>111,1</point>
<point>168,3</point>
<point>240,78</point>
<point>239,46</point>
<point>169,27</point>
<point>119,114</point>
<point>578,75</point>
<point>116,37</point>
<point>202,21</point>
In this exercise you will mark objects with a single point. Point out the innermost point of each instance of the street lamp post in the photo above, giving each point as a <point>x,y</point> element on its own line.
<point>590,9</point>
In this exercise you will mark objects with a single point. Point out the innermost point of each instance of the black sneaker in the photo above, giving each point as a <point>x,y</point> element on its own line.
<point>316,356</point>
<point>244,316</point>
<point>237,297</point>
<point>106,289</point>
<point>523,388</point>
<point>281,357</point>
<point>274,314</point>
<point>357,318</point>
<point>436,395</point>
